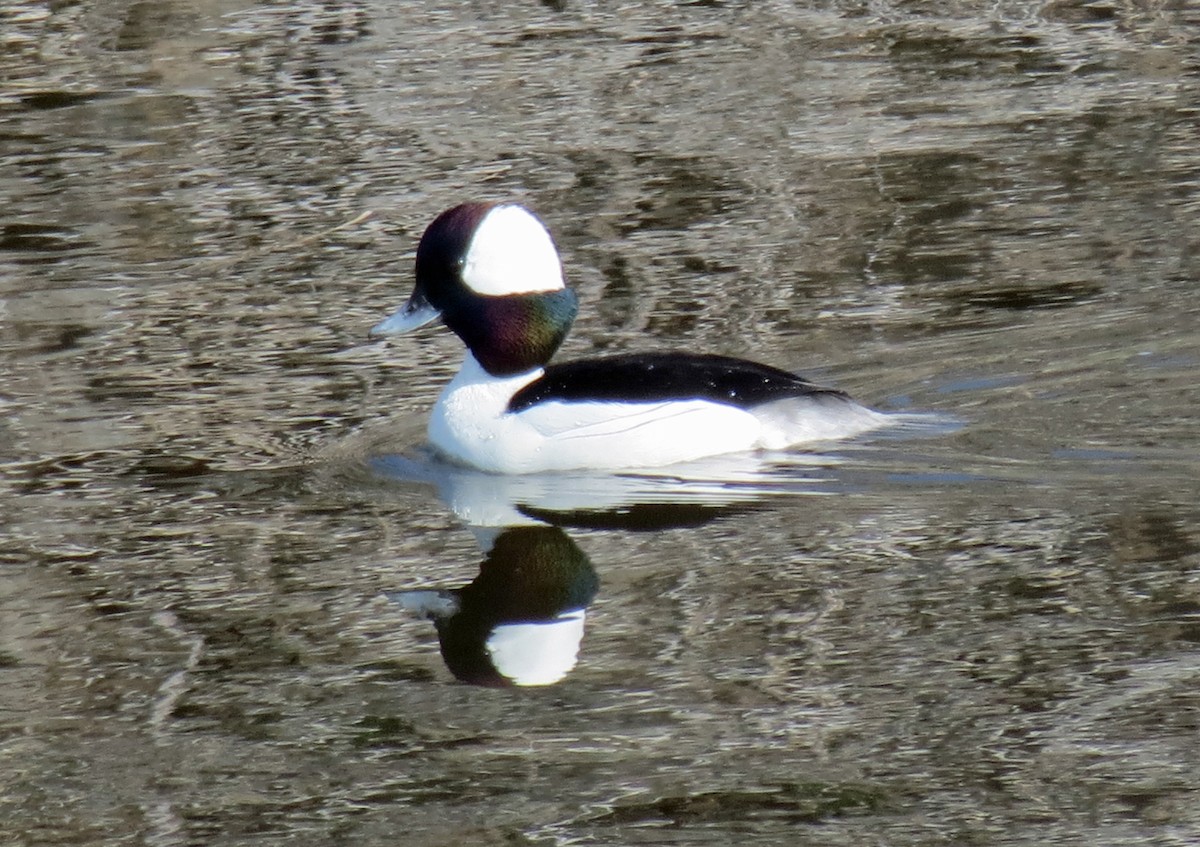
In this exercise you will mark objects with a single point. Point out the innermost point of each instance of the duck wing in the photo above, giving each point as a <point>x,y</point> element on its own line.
<point>664,377</point>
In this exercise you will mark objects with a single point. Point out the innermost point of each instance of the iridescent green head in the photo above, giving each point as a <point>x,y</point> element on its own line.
<point>492,274</point>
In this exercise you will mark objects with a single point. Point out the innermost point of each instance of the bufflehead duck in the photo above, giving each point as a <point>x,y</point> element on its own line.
<point>492,273</point>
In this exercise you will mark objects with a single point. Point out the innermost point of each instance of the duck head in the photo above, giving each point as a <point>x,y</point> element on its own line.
<point>492,274</point>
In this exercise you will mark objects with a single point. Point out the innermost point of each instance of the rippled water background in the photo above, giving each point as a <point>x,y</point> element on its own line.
<point>987,210</point>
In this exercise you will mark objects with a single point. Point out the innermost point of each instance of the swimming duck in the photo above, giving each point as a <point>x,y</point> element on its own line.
<point>491,272</point>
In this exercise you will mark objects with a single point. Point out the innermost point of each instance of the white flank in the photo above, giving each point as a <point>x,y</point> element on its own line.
<point>822,417</point>
<point>511,253</point>
<point>470,424</point>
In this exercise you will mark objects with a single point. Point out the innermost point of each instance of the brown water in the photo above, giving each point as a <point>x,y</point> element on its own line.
<point>987,634</point>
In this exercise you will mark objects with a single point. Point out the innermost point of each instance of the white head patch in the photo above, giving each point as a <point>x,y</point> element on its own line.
<point>511,253</point>
<point>537,653</point>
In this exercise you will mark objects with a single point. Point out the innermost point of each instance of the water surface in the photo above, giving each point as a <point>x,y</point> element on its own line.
<point>983,635</point>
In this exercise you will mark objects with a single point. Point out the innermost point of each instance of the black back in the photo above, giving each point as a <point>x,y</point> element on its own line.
<point>657,377</point>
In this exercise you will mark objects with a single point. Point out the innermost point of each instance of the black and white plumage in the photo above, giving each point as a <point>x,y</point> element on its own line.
<point>492,274</point>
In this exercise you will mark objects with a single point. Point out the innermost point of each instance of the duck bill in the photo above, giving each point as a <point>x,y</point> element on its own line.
<point>415,313</point>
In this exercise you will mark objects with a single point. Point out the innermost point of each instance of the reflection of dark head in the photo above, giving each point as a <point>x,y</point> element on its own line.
<point>533,576</point>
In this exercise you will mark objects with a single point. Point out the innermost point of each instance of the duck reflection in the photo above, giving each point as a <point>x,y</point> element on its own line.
<point>520,621</point>
<point>680,496</point>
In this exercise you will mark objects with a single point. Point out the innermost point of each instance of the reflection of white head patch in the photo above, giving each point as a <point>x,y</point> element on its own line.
<point>539,653</point>
<point>511,253</point>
